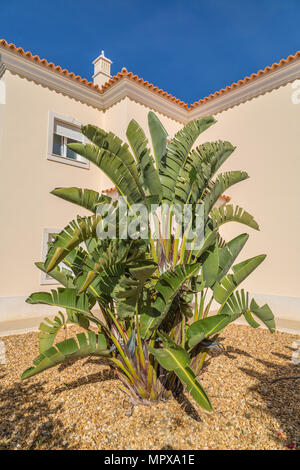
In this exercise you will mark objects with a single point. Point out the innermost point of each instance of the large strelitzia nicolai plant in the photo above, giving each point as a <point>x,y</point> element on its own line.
<point>155,293</point>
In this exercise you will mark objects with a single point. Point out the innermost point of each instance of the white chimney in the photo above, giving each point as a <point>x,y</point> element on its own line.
<point>101,69</point>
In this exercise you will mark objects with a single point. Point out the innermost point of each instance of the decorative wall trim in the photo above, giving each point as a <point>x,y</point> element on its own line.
<point>127,88</point>
<point>258,86</point>
<point>134,91</point>
<point>49,78</point>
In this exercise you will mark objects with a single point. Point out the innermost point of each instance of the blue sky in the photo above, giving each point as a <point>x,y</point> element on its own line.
<point>189,48</point>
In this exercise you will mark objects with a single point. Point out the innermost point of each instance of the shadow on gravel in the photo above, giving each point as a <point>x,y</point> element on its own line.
<point>281,397</point>
<point>187,406</point>
<point>282,356</point>
<point>101,376</point>
<point>229,352</point>
<point>28,422</point>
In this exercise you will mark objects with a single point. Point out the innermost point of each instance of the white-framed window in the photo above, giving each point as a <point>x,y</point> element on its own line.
<point>63,131</point>
<point>48,236</point>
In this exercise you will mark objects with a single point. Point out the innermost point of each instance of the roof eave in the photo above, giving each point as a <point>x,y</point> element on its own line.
<point>125,84</point>
<point>275,78</point>
<point>56,80</point>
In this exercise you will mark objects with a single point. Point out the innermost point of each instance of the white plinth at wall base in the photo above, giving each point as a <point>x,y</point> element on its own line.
<point>17,316</point>
<point>2,352</point>
<point>296,353</point>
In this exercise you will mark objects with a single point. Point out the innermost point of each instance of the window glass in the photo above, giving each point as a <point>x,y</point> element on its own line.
<point>64,133</point>
<point>57,144</point>
<point>70,153</point>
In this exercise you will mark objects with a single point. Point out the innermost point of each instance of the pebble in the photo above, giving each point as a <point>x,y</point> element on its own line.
<point>79,406</point>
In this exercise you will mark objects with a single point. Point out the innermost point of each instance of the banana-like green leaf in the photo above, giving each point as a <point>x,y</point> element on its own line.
<point>199,168</point>
<point>114,159</point>
<point>67,350</point>
<point>217,188</point>
<point>144,271</point>
<point>265,314</point>
<point>188,378</point>
<point>210,265</point>
<point>131,296</point>
<point>114,168</point>
<point>63,298</point>
<point>238,304</point>
<point>87,274</point>
<point>63,276</point>
<point>109,141</point>
<point>173,357</point>
<point>166,353</point>
<point>206,327</point>
<point>108,264</point>
<point>250,320</point>
<point>69,238</point>
<point>49,331</point>
<point>139,144</point>
<point>224,288</point>
<point>229,213</point>
<point>76,259</point>
<point>158,137</point>
<point>167,287</point>
<point>177,154</point>
<point>86,198</point>
<point>197,283</point>
<point>50,328</point>
<point>229,253</point>
<point>209,240</point>
<point>214,154</point>
<point>126,294</point>
<point>77,318</point>
<point>107,260</point>
<point>105,284</point>
<point>221,241</point>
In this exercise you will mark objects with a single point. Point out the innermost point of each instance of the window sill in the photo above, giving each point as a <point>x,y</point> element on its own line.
<point>68,161</point>
<point>51,282</point>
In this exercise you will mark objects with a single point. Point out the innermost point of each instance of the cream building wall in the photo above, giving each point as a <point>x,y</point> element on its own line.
<point>264,129</point>
<point>117,118</point>
<point>27,177</point>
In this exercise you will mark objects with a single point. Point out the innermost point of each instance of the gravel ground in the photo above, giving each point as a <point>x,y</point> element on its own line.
<point>79,405</point>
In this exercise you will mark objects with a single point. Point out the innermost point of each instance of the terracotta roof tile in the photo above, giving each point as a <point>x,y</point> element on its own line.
<point>226,198</point>
<point>247,79</point>
<point>109,190</point>
<point>125,74</point>
<point>50,65</point>
<point>84,81</point>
